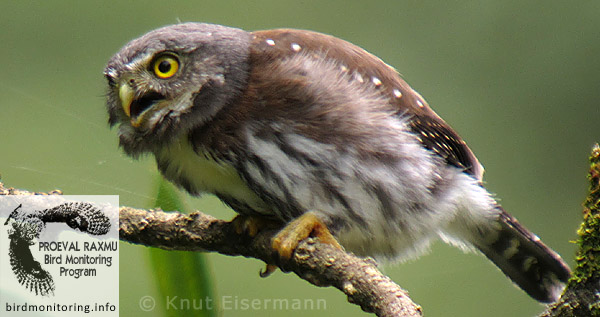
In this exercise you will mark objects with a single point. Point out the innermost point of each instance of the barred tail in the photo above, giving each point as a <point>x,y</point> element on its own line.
<point>526,260</point>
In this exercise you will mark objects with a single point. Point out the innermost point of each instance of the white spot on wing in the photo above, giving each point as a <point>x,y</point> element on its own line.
<point>397,93</point>
<point>376,81</point>
<point>296,47</point>
<point>419,99</point>
<point>270,42</point>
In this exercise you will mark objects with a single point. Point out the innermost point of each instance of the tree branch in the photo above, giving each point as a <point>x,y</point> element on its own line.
<point>319,264</point>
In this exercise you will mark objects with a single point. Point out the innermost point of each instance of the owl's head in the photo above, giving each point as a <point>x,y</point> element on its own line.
<point>172,80</point>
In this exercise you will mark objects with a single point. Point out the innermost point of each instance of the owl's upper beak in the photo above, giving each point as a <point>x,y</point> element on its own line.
<point>126,94</point>
<point>134,107</point>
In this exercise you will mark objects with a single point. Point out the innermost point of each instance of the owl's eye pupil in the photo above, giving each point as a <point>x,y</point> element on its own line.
<point>164,66</point>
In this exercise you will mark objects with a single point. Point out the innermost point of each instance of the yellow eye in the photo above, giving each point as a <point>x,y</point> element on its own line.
<point>165,66</point>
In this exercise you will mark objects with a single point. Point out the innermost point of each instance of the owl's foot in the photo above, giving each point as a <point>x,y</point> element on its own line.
<point>309,224</point>
<point>252,225</point>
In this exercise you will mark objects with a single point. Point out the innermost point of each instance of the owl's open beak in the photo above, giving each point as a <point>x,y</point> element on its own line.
<point>135,107</point>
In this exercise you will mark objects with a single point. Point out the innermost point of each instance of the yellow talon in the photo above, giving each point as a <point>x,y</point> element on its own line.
<point>287,240</point>
<point>309,224</point>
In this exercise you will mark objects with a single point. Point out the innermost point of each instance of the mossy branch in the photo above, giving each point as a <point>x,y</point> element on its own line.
<point>582,295</point>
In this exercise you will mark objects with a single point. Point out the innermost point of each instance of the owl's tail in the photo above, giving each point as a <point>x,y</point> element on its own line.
<point>526,260</point>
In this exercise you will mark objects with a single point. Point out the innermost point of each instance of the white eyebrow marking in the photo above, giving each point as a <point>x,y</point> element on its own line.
<point>296,47</point>
<point>270,42</point>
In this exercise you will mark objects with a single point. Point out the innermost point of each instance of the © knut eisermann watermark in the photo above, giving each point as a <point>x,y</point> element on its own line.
<point>59,255</point>
<point>233,303</point>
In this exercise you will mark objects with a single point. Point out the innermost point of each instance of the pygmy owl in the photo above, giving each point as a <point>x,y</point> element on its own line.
<point>316,133</point>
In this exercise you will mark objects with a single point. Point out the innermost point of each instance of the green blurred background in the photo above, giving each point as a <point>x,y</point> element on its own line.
<point>519,80</point>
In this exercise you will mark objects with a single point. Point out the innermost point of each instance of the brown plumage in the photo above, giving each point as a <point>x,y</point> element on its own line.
<point>297,125</point>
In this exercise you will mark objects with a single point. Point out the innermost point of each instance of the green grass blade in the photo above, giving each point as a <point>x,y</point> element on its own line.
<point>184,280</point>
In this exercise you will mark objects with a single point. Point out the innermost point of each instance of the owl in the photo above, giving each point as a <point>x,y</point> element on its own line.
<point>314,133</point>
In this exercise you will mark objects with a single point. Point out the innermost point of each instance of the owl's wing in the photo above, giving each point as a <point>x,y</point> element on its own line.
<point>438,137</point>
<point>431,130</point>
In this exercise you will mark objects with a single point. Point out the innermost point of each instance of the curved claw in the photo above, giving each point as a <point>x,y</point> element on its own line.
<point>269,269</point>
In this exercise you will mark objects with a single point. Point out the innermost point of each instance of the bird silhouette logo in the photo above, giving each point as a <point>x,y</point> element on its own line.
<point>27,226</point>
